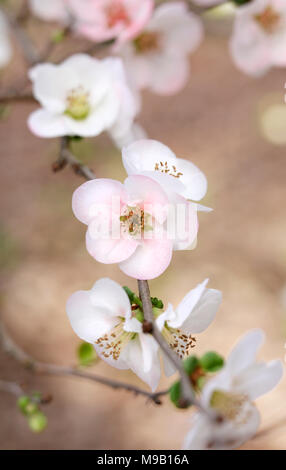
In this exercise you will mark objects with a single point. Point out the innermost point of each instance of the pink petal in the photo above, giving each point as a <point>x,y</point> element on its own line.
<point>95,197</point>
<point>110,251</point>
<point>150,259</point>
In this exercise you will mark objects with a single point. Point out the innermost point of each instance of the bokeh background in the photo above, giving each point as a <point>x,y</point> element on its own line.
<point>233,128</point>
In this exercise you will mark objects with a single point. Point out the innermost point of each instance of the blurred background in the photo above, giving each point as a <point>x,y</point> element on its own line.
<point>233,128</point>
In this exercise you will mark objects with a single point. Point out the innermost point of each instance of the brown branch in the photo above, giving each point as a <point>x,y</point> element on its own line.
<point>11,387</point>
<point>149,326</point>
<point>66,157</point>
<point>63,371</point>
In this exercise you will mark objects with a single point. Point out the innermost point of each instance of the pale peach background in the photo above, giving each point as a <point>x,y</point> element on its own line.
<point>242,249</point>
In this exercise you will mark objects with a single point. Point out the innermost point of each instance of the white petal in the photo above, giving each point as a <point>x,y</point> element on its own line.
<point>141,355</point>
<point>206,434</point>
<point>204,312</point>
<point>188,304</point>
<point>259,379</point>
<point>87,321</point>
<point>193,179</point>
<point>109,295</point>
<point>244,353</point>
<point>45,124</point>
<point>52,84</point>
<point>144,154</point>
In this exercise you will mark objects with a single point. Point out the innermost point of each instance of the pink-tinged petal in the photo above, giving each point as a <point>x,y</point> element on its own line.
<point>149,193</point>
<point>109,251</point>
<point>109,295</point>
<point>87,321</point>
<point>97,197</point>
<point>150,259</point>
<point>145,154</point>
<point>44,124</point>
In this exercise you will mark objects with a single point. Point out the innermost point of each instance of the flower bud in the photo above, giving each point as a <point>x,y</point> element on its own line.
<point>37,422</point>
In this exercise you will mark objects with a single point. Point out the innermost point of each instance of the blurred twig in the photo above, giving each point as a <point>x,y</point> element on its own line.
<point>149,326</point>
<point>66,157</point>
<point>63,371</point>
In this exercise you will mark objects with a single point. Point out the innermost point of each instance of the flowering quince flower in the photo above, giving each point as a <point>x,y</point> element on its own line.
<point>158,58</point>
<point>101,20</point>
<point>231,393</point>
<point>155,160</point>
<point>5,44</point>
<point>50,10</point>
<point>128,224</point>
<point>259,37</point>
<point>82,96</point>
<point>193,315</point>
<point>207,3</point>
<point>103,317</point>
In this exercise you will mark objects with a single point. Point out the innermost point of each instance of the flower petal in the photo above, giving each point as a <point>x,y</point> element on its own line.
<point>141,355</point>
<point>96,197</point>
<point>244,353</point>
<point>198,309</point>
<point>259,379</point>
<point>45,124</point>
<point>109,295</point>
<point>150,259</point>
<point>87,321</point>
<point>109,251</point>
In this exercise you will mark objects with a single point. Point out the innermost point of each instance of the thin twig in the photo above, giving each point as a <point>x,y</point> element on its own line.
<point>149,326</point>
<point>62,371</point>
<point>11,387</point>
<point>67,157</point>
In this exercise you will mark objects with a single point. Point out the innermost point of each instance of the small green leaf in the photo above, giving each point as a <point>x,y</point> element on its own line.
<point>157,303</point>
<point>22,403</point>
<point>86,354</point>
<point>132,297</point>
<point>175,395</point>
<point>37,422</point>
<point>241,2</point>
<point>190,364</point>
<point>139,315</point>
<point>58,36</point>
<point>211,361</point>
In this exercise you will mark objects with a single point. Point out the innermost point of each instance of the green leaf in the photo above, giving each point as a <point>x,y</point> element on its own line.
<point>86,354</point>
<point>241,2</point>
<point>37,422</point>
<point>132,297</point>
<point>58,36</point>
<point>175,393</point>
<point>211,362</point>
<point>157,303</point>
<point>22,403</point>
<point>190,364</point>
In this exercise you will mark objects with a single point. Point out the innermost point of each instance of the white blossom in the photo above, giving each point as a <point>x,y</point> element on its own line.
<point>231,393</point>
<point>83,96</point>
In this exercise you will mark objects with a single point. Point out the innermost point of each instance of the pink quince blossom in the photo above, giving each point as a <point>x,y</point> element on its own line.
<point>259,37</point>
<point>101,20</point>
<point>158,58</point>
<point>133,224</point>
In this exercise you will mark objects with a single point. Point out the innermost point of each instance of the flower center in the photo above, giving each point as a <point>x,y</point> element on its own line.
<point>134,220</point>
<point>178,341</point>
<point>116,13</point>
<point>268,19</point>
<point>78,104</point>
<point>164,168</point>
<point>228,404</point>
<point>115,341</point>
<point>146,42</point>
